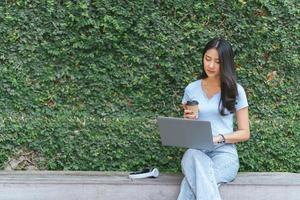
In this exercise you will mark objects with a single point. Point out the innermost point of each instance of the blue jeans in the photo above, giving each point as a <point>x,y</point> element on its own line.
<point>204,171</point>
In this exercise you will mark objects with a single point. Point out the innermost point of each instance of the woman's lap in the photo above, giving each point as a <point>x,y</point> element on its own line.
<point>225,164</point>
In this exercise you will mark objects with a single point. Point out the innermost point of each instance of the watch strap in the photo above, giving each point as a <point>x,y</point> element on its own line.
<point>223,139</point>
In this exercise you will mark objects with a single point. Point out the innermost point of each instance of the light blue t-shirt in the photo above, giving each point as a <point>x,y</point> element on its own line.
<point>208,108</point>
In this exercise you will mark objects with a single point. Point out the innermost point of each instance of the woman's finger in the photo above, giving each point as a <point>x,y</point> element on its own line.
<point>187,111</point>
<point>192,116</point>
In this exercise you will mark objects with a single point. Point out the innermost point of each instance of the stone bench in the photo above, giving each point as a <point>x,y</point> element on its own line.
<point>64,185</point>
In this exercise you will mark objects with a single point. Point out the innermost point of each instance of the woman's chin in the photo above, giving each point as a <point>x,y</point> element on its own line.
<point>212,75</point>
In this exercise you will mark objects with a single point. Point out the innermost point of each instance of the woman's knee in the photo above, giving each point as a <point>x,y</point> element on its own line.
<point>227,170</point>
<point>191,155</point>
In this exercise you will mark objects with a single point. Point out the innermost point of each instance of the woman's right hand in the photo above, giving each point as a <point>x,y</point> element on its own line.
<point>188,114</point>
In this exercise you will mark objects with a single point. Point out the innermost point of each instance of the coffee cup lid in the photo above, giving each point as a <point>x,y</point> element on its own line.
<point>192,103</point>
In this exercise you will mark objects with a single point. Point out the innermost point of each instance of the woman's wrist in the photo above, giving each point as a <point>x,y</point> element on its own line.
<point>218,139</point>
<point>222,139</point>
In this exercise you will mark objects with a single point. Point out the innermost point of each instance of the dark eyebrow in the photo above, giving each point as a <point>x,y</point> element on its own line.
<point>218,59</point>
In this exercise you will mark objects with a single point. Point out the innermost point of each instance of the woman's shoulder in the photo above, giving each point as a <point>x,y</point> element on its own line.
<point>240,89</point>
<point>193,85</point>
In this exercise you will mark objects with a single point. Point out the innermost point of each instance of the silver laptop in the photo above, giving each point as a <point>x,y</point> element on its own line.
<point>188,133</point>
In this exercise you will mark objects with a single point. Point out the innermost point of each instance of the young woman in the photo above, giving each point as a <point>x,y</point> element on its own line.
<point>220,98</point>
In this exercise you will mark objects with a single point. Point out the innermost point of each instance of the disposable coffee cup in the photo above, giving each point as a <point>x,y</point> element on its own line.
<point>193,106</point>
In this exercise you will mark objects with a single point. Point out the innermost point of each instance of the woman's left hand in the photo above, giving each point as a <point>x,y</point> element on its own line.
<point>217,139</point>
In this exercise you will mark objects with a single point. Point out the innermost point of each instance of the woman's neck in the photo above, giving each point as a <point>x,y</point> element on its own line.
<point>212,81</point>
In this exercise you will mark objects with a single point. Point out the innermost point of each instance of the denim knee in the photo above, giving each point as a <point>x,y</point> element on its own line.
<point>191,155</point>
<point>188,156</point>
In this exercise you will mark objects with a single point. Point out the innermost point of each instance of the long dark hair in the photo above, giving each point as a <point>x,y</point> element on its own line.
<point>227,73</point>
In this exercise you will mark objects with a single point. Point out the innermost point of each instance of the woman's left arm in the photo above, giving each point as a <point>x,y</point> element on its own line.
<point>243,132</point>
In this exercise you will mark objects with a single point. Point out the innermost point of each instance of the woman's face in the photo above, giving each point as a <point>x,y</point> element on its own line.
<point>211,63</point>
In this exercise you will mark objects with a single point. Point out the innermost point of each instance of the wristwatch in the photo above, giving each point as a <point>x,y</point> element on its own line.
<point>223,141</point>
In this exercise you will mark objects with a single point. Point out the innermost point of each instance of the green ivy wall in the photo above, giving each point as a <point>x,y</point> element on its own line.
<point>82,81</point>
